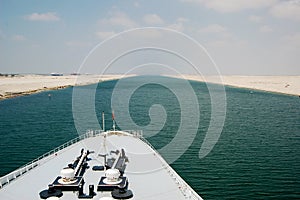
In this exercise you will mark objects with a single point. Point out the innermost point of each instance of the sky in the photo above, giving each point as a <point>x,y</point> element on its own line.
<point>239,37</point>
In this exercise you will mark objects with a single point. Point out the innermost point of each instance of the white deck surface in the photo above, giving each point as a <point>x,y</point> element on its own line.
<point>148,174</point>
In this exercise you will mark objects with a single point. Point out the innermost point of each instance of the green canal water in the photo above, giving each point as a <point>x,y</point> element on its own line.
<point>256,157</point>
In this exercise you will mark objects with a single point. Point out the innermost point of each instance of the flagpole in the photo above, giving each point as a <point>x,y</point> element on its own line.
<point>114,123</point>
<point>103,121</point>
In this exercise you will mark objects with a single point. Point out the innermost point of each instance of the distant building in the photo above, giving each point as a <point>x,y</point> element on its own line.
<point>56,74</point>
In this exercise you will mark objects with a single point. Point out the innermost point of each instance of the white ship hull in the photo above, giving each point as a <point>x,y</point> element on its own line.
<point>147,173</point>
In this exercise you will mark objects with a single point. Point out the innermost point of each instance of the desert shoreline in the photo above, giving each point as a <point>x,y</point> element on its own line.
<point>20,85</point>
<point>287,85</point>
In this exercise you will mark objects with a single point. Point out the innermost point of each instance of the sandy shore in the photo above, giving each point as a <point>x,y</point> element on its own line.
<point>28,84</point>
<point>278,84</point>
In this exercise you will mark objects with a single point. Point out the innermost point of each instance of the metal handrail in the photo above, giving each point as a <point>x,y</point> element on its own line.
<point>4,180</point>
<point>186,189</point>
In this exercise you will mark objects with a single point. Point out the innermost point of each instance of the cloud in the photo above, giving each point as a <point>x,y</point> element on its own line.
<point>216,32</point>
<point>147,34</point>
<point>18,38</point>
<point>227,44</point>
<point>77,44</point>
<point>182,19</point>
<point>105,34</point>
<point>232,5</point>
<point>218,36</point>
<point>287,10</point>
<point>213,28</point>
<point>292,39</point>
<point>50,16</point>
<point>179,24</point>
<point>255,18</point>
<point>119,19</point>
<point>153,19</point>
<point>136,4</point>
<point>176,26</point>
<point>265,29</point>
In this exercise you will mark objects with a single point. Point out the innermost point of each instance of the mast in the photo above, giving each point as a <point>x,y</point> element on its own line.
<point>113,118</point>
<point>103,121</point>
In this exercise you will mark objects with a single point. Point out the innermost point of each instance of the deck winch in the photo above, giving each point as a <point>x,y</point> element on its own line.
<point>114,180</point>
<point>71,178</point>
<point>67,176</point>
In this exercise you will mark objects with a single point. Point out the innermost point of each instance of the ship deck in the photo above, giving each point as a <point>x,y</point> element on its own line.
<point>149,176</point>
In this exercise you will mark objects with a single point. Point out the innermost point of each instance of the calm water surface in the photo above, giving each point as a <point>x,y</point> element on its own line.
<point>256,157</point>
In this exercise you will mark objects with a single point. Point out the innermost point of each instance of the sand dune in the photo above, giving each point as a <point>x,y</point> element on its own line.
<point>28,84</point>
<point>278,84</point>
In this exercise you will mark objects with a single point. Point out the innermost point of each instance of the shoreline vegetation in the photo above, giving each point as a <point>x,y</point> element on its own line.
<point>13,85</point>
